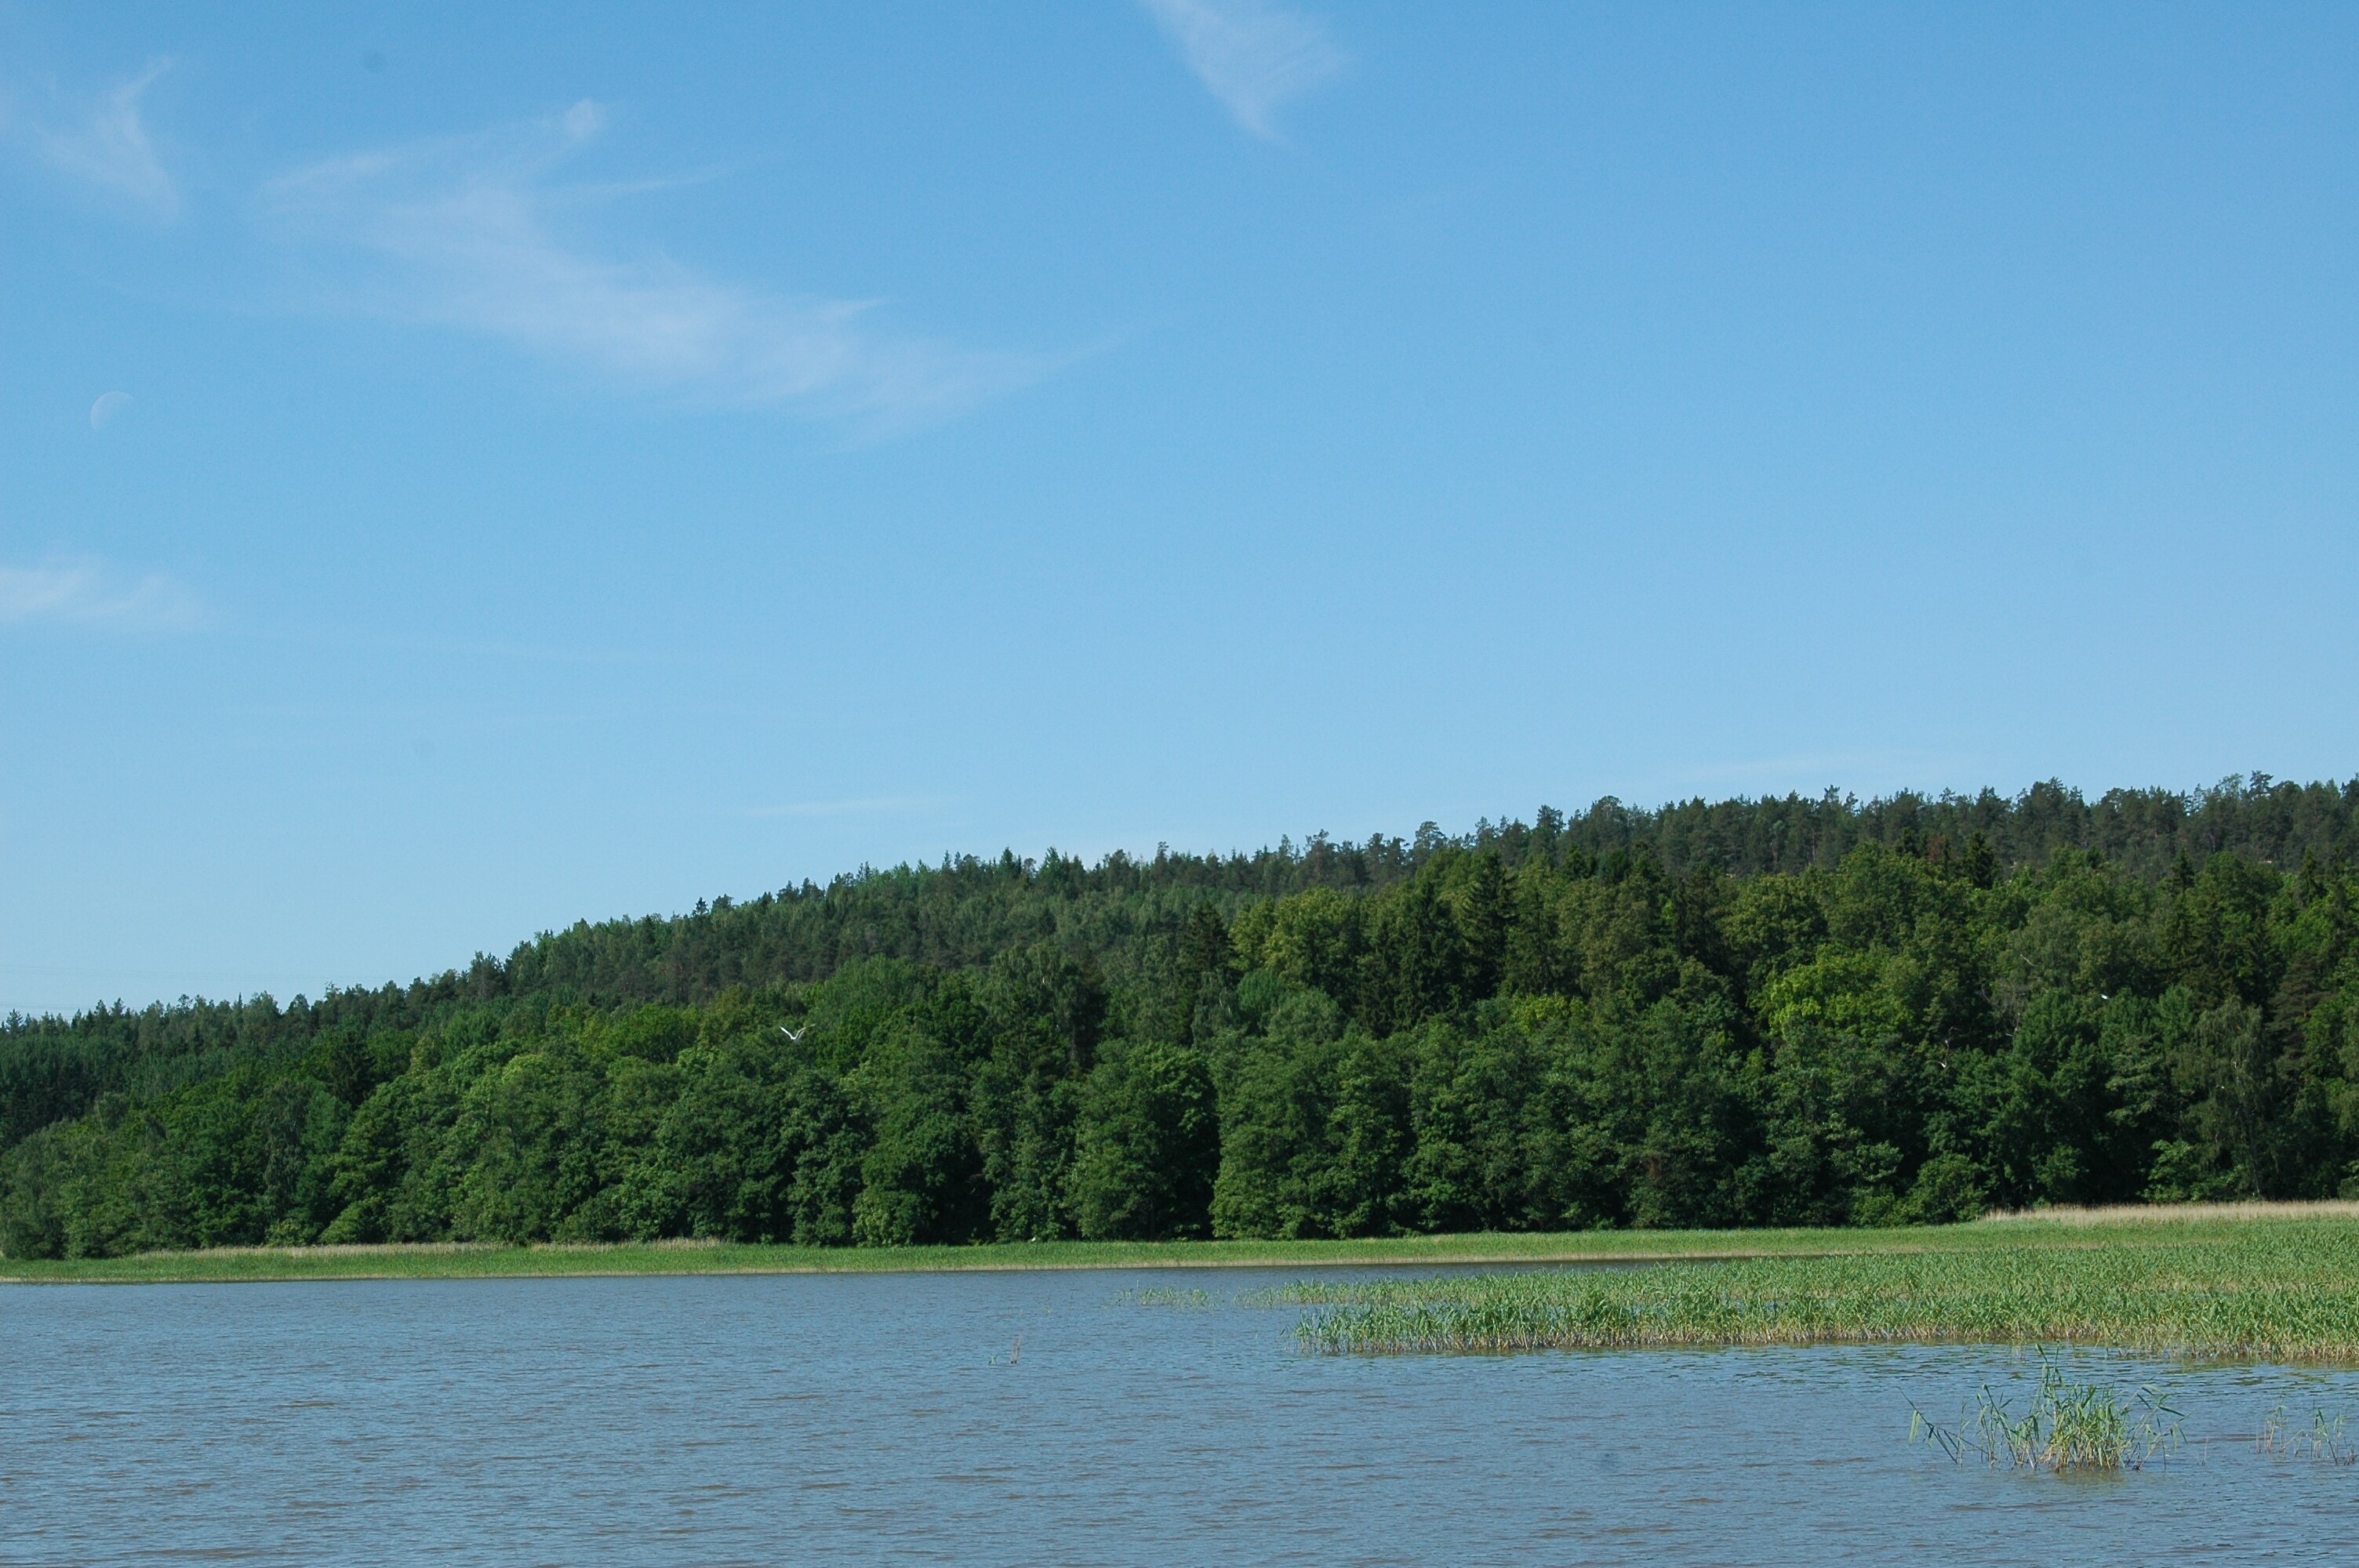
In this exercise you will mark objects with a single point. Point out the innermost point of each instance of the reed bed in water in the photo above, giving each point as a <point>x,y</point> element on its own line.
<point>2286,1289</point>
<point>2069,1427</point>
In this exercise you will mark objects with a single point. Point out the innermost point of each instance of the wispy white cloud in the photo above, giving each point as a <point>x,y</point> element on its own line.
<point>108,146</point>
<point>85,593</point>
<point>470,233</point>
<point>1254,58</point>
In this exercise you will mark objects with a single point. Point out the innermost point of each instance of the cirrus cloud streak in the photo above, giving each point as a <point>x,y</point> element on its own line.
<point>470,233</point>
<point>87,594</point>
<point>108,146</point>
<point>1254,58</point>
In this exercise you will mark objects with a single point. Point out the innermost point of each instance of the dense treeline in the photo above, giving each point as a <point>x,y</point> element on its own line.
<point>1780,1011</point>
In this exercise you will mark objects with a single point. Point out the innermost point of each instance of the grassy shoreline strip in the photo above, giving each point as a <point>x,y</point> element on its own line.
<point>2288,1291</point>
<point>472,1260</point>
<point>259,1264</point>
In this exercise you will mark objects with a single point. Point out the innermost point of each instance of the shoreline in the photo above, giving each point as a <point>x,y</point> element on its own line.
<point>628,1261</point>
<point>443,1260</point>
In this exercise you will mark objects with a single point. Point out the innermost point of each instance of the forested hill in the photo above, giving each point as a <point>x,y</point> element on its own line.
<point>1779,1011</point>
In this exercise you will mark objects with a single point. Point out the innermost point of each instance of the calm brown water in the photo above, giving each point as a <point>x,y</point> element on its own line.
<point>875,1419</point>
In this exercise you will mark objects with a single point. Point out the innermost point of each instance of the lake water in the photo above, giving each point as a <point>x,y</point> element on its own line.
<point>880,1418</point>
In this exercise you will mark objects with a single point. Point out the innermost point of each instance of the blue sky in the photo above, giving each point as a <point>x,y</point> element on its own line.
<point>465,469</point>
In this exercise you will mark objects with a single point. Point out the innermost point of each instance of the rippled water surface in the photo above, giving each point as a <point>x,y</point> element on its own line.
<point>890,1418</point>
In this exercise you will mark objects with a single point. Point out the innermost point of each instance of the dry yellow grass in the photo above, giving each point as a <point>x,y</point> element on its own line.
<point>2179,1214</point>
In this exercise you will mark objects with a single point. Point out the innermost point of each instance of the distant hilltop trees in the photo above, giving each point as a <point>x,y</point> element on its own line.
<point>1796,1010</point>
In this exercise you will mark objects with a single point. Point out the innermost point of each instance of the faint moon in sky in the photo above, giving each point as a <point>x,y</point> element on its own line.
<point>108,406</point>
